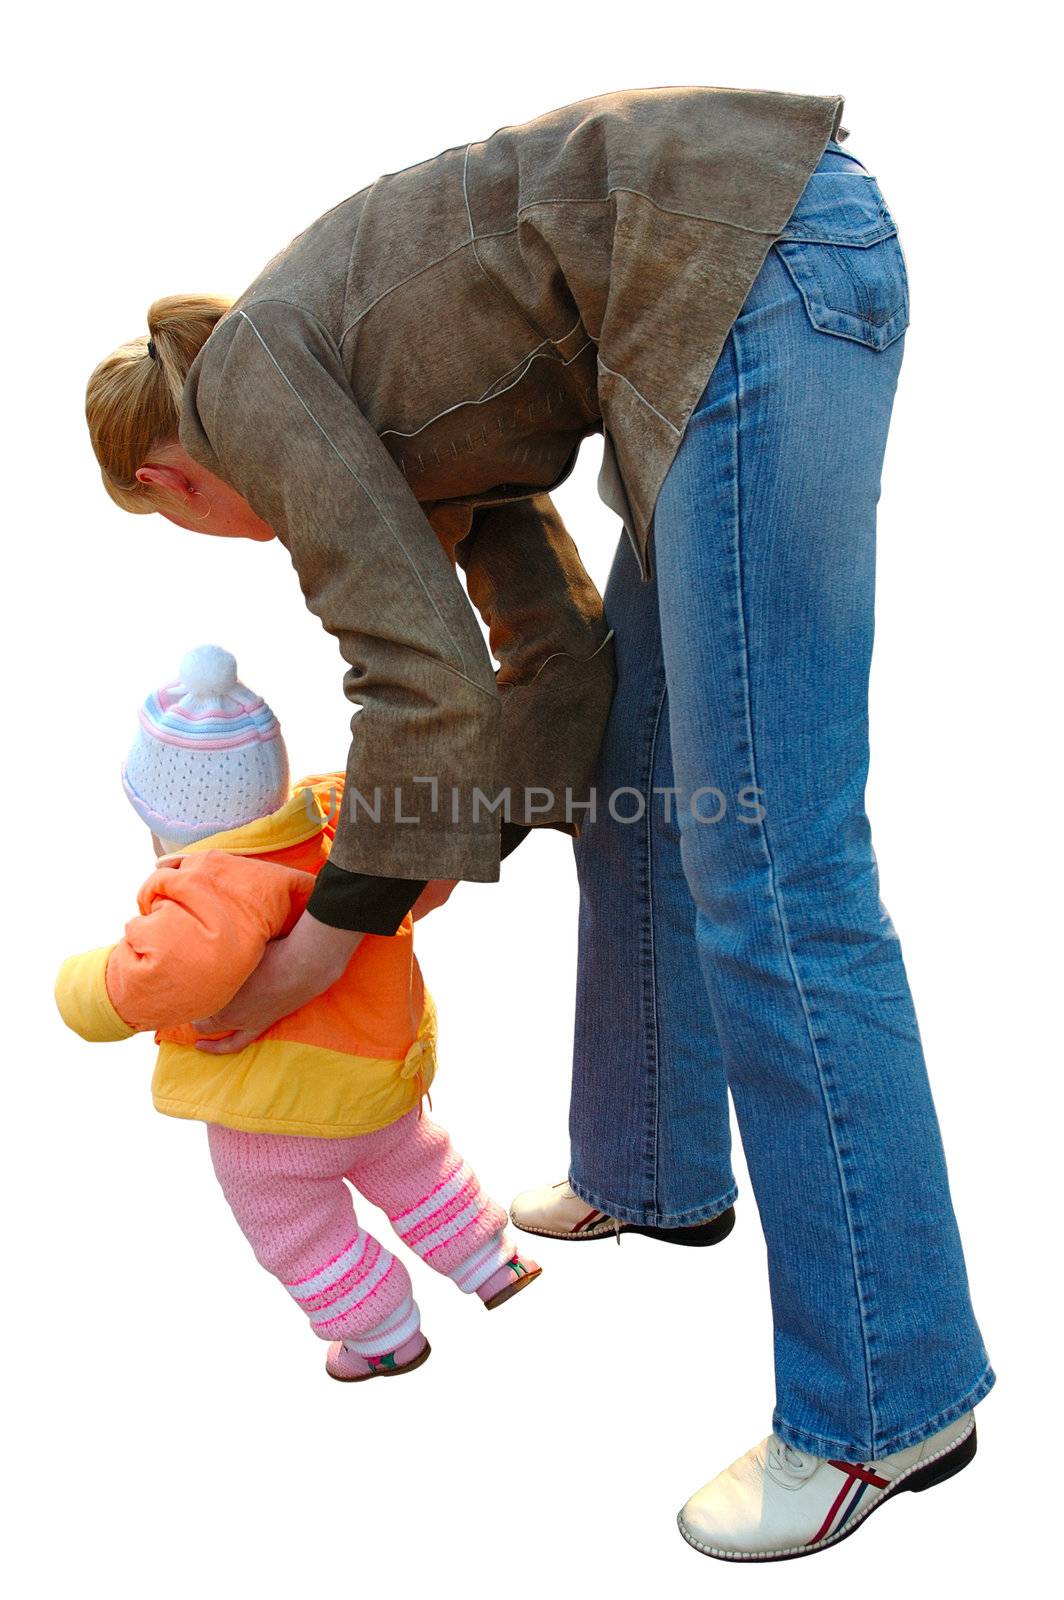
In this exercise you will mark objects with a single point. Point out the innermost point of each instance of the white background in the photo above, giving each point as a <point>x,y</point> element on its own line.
<point>169,1424</point>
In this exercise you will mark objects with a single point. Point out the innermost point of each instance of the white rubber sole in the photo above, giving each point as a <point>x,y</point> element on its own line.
<point>599,1231</point>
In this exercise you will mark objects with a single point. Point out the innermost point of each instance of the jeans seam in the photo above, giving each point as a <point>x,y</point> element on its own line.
<point>649,1151</point>
<point>652,1019</point>
<point>777,904</point>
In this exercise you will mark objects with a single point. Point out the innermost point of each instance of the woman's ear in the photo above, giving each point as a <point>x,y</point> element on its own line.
<point>160,476</point>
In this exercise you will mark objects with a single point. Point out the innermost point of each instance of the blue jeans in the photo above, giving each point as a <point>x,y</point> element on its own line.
<point>731,930</point>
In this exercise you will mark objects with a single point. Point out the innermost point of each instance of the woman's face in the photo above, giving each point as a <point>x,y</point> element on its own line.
<point>195,499</point>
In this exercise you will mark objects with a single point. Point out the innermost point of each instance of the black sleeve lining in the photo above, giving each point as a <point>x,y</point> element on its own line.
<point>512,834</point>
<point>361,902</point>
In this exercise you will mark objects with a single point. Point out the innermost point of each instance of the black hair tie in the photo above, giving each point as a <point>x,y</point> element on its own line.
<point>151,348</point>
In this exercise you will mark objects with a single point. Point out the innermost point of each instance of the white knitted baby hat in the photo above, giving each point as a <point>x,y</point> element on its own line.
<point>208,755</point>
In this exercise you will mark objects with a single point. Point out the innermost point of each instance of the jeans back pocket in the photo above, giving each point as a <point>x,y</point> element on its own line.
<point>841,247</point>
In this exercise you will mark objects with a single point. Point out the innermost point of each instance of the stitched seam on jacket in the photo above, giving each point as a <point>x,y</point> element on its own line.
<point>536,348</point>
<point>476,256</point>
<point>535,356</point>
<point>621,188</point>
<point>469,218</point>
<point>369,495</point>
<point>567,655</point>
<point>642,397</point>
<point>402,281</point>
<point>495,284</point>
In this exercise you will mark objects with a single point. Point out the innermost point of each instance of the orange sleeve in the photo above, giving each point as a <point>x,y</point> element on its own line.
<point>204,923</point>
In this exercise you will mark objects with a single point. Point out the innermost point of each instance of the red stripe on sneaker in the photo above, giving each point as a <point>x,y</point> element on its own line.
<point>865,1474</point>
<point>586,1221</point>
<point>830,1518</point>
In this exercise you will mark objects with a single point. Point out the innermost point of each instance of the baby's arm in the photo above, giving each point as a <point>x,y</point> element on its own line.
<point>205,920</point>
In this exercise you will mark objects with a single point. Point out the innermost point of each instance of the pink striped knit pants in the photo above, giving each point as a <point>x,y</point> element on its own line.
<point>288,1195</point>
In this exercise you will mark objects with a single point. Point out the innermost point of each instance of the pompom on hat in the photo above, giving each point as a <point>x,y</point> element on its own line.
<point>208,755</point>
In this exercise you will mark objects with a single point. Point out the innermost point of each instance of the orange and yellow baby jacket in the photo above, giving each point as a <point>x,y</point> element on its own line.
<point>356,1058</point>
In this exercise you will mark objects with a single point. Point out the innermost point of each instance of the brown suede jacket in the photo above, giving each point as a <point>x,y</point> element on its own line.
<point>402,386</point>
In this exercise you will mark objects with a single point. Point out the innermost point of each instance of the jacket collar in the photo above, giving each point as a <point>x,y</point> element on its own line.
<point>304,815</point>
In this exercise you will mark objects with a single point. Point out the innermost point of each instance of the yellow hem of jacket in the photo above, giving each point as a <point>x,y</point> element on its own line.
<point>284,1086</point>
<point>309,1130</point>
<point>83,1001</point>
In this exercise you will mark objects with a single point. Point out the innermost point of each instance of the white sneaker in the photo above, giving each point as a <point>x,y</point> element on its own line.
<point>555,1212</point>
<point>777,1502</point>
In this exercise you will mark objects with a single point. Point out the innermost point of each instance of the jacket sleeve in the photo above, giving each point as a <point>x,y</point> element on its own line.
<point>268,408</point>
<point>549,634</point>
<point>202,927</point>
<point>556,682</point>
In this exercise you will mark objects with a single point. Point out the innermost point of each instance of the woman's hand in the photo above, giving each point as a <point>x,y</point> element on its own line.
<point>434,894</point>
<point>292,971</point>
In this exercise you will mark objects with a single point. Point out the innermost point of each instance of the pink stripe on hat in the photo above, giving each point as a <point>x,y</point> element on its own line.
<point>193,741</point>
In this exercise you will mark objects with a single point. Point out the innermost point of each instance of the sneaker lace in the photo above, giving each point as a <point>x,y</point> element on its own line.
<point>786,1459</point>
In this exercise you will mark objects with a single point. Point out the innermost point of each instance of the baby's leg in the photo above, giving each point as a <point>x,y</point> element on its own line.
<point>288,1195</point>
<point>436,1205</point>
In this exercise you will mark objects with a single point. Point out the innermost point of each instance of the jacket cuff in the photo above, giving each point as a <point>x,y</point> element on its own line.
<point>360,902</point>
<point>83,1001</point>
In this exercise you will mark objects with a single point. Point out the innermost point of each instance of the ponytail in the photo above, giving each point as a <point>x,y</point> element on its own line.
<point>133,398</point>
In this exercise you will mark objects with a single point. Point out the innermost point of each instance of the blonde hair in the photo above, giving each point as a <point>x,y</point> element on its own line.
<point>132,402</point>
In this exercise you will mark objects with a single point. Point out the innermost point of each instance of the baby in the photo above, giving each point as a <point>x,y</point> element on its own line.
<point>332,1091</point>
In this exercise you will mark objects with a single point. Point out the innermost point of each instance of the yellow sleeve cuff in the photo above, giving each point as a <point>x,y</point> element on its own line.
<point>83,1001</point>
